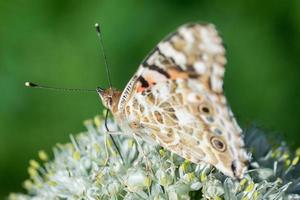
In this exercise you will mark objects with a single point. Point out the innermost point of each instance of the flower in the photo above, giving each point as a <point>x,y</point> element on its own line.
<point>90,167</point>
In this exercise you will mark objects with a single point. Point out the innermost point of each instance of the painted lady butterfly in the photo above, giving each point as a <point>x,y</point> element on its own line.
<point>176,99</point>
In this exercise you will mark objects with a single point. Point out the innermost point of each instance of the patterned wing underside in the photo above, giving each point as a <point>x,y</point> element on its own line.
<point>176,98</point>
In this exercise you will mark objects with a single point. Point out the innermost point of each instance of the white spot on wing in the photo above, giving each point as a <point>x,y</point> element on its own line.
<point>216,84</point>
<point>187,34</point>
<point>140,70</point>
<point>167,49</point>
<point>218,70</point>
<point>152,58</point>
<point>192,97</point>
<point>153,75</point>
<point>198,86</point>
<point>209,42</point>
<point>184,117</point>
<point>200,67</point>
<point>164,90</point>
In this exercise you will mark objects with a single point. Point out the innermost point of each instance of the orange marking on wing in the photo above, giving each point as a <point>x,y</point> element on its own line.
<point>139,88</point>
<point>175,74</point>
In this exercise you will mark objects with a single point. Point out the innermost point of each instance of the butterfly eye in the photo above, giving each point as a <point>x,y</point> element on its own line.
<point>218,144</point>
<point>109,101</point>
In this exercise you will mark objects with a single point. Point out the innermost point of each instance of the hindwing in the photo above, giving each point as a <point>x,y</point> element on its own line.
<point>176,99</point>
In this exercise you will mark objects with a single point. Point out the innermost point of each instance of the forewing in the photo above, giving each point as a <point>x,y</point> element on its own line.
<point>176,98</point>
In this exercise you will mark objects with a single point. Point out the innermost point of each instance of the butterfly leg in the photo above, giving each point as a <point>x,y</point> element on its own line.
<point>147,161</point>
<point>109,141</point>
<point>106,143</point>
<point>118,133</point>
<point>106,148</point>
<point>112,139</point>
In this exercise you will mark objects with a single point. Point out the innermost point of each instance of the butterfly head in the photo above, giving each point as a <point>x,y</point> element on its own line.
<point>109,97</point>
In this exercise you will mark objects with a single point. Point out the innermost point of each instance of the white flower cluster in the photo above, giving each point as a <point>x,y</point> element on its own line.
<point>90,168</point>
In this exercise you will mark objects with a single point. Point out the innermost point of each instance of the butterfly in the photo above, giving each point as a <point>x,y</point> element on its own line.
<point>176,100</point>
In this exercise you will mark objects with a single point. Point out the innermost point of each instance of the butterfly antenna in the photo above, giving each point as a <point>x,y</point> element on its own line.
<point>111,137</point>
<point>98,29</point>
<point>99,34</point>
<point>35,85</point>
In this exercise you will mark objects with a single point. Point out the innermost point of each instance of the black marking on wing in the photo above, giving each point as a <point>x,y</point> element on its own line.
<point>145,61</point>
<point>159,70</point>
<point>174,64</point>
<point>190,68</point>
<point>194,75</point>
<point>233,167</point>
<point>160,53</point>
<point>143,81</point>
<point>193,24</point>
<point>156,49</point>
<point>192,72</point>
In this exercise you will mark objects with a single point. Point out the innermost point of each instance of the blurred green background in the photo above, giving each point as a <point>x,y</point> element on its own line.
<point>54,42</point>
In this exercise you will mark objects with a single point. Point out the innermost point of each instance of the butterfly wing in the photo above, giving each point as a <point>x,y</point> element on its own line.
<point>176,99</point>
